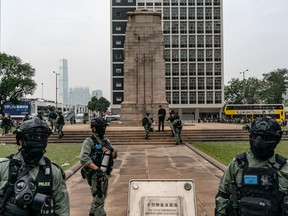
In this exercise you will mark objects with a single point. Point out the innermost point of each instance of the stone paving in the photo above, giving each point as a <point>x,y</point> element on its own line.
<point>150,162</point>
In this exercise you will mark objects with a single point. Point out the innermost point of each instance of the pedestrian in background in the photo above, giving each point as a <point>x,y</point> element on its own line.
<point>177,128</point>
<point>60,122</point>
<point>147,123</point>
<point>171,119</point>
<point>161,117</point>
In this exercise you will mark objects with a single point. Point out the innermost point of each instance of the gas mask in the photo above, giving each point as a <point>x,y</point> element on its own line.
<point>100,131</point>
<point>262,146</point>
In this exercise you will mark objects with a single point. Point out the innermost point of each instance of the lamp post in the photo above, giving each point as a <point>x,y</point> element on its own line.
<point>56,89</point>
<point>243,72</point>
<point>42,90</point>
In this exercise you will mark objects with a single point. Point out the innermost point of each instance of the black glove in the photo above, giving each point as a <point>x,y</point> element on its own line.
<point>99,173</point>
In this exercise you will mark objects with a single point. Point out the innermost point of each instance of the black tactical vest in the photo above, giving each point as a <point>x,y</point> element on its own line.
<point>259,193</point>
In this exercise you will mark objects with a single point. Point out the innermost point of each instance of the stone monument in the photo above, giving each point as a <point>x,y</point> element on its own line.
<point>144,66</point>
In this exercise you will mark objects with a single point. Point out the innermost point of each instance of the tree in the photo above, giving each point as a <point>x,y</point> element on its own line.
<point>275,84</point>
<point>15,79</point>
<point>101,105</point>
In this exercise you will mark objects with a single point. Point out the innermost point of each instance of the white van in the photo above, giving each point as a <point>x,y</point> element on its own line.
<point>82,118</point>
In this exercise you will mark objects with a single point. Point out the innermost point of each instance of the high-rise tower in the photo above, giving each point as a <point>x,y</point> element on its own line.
<point>63,96</point>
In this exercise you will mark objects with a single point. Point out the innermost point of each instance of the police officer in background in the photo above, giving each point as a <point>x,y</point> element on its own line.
<point>97,157</point>
<point>30,184</point>
<point>60,122</point>
<point>147,124</point>
<point>256,182</point>
<point>177,128</point>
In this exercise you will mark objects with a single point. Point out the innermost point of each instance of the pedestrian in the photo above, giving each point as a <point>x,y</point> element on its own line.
<point>161,117</point>
<point>52,118</point>
<point>256,182</point>
<point>97,157</point>
<point>171,119</point>
<point>30,184</point>
<point>177,128</point>
<point>147,123</point>
<point>6,124</point>
<point>60,122</point>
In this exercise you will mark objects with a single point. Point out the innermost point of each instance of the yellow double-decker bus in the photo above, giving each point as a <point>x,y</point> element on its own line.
<point>252,111</point>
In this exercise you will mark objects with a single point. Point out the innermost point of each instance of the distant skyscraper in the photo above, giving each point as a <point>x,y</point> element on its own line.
<point>63,96</point>
<point>80,95</point>
<point>97,93</point>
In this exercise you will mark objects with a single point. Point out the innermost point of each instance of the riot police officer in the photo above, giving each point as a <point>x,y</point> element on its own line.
<point>177,128</point>
<point>256,182</point>
<point>30,184</point>
<point>147,124</point>
<point>97,157</point>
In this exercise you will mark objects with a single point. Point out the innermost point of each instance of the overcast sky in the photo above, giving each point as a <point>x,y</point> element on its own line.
<point>41,32</point>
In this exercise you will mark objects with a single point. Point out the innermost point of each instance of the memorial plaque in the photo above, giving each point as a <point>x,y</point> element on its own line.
<point>161,197</point>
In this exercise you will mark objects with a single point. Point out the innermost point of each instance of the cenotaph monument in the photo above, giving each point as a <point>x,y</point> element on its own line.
<point>144,66</point>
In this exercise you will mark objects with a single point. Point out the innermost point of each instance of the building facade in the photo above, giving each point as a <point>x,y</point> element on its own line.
<point>79,95</point>
<point>97,93</point>
<point>63,95</point>
<point>193,40</point>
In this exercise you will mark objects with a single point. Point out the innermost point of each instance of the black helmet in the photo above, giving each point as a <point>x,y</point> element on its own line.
<point>265,134</point>
<point>98,122</point>
<point>29,128</point>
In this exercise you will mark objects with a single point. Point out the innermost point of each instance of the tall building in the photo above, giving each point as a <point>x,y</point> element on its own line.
<point>97,93</point>
<point>193,40</point>
<point>63,96</point>
<point>79,95</point>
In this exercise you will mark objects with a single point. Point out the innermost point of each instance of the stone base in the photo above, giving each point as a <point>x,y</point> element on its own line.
<point>135,112</point>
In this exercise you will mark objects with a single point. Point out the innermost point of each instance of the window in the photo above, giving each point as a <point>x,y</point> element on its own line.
<point>118,28</point>
<point>201,84</point>
<point>218,97</point>
<point>217,55</point>
<point>200,55</point>
<point>175,69</point>
<point>183,27</point>
<point>217,82</point>
<point>175,26</point>
<point>200,41</point>
<point>166,13</point>
<point>183,55</point>
<point>208,27</point>
<point>168,84</point>
<point>199,2</point>
<point>184,97</point>
<point>209,69</point>
<point>183,41</point>
<point>183,13</point>
<point>191,13</point>
<point>167,55</point>
<point>200,69</point>
<point>192,69</point>
<point>175,55</point>
<point>200,13</point>
<point>191,27</point>
<point>168,97</point>
<point>183,69</point>
<point>191,2</point>
<point>175,83</point>
<point>192,40</point>
<point>209,41</point>
<point>175,97</point>
<point>208,13</point>
<point>200,27</point>
<point>209,83</point>
<point>174,13</point>
<point>192,83</point>
<point>118,43</point>
<point>118,70</point>
<point>216,2</point>
<point>118,99</point>
<point>175,41</point>
<point>209,97</point>
<point>118,84</point>
<point>183,2</point>
<point>201,97</point>
<point>184,83</point>
<point>192,97</point>
<point>166,27</point>
<point>216,13</point>
<point>217,41</point>
<point>174,2</point>
<point>208,2</point>
<point>166,2</point>
<point>217,69</point>
<point>167,70</point>
<point>209,55</point>
<point>192,55</point>
<point>217,27</point>
<point>167,40</point>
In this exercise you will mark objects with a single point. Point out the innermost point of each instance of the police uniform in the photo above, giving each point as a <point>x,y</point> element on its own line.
<point>256,182</point>
<point>92,153</point>
<point>147,123</point>
<point>177,128</point>
<point>42,179</point>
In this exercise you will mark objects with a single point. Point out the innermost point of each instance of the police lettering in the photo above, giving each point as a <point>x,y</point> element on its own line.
<point>44,184</point>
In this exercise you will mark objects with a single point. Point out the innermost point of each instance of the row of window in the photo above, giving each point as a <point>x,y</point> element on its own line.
<point>191,69</point>
<point>181,13</point>
<point>176,55</point>
<point>185,97</point>
<point>193,83</point>
<point>191,27</point>
<point>192,41</point>
<point>193,97</point>
<point>170,2</point>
